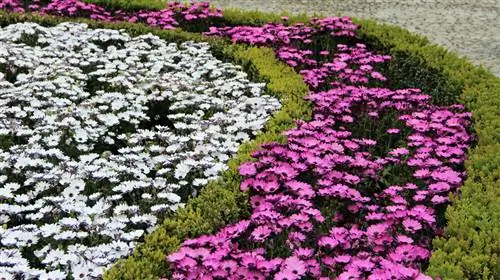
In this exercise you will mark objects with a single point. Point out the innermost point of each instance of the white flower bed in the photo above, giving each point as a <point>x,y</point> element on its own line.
<point>88,161</point>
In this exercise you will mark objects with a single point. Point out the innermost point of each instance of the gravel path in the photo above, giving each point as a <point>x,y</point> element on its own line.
<point>469,27</point>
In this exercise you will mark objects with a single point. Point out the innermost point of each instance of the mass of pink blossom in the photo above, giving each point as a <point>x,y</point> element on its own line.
<point>354,193</point>
<point>167,18</point>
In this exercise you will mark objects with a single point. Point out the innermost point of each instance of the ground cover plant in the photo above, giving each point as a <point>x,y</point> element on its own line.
<point>103,134</point>
<point>357,100</point>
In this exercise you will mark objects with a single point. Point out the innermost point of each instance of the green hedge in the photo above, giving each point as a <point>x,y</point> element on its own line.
<point>470,246</point>
<point>131,5</point>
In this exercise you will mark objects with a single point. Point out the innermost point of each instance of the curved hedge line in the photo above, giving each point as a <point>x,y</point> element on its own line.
<point>470,246</point>
<point>130,5</point>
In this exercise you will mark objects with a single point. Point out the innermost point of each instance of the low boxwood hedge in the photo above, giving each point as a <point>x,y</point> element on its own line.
<point>128,5</point>
<point>470,246</point>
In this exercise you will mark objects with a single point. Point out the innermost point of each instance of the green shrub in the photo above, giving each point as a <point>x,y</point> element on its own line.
<point>131,5</point>
<point>470,246</point>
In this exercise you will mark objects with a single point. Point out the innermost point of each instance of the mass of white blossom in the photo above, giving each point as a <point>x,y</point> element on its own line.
<point>103,134</point>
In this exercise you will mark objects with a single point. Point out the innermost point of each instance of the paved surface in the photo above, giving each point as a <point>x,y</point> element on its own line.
<point>469,27</point>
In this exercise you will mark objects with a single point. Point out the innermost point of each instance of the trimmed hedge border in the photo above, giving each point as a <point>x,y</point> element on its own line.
<point>470,246</point>
<point>130,5</point>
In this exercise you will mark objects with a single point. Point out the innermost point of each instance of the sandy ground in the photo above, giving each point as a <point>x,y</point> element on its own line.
<point>470,28</point>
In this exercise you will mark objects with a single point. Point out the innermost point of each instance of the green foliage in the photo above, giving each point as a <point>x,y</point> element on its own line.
<point>234,17</point>
<point>417,63</point>
<point>131,5</point>
<point>470,246</point>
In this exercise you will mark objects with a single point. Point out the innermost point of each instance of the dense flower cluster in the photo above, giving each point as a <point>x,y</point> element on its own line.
<point>279,34</point>
<point>100,136</point>
<point>292,44</point>
<point>167,18</point>
<point>354,193</point>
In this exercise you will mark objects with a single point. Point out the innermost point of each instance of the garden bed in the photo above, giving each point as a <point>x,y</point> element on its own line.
<point>468,247</point>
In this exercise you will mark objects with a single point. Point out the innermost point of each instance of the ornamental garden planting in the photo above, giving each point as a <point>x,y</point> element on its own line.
<point>111,130</point>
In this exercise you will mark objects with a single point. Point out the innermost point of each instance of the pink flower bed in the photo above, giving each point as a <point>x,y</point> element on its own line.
<point>355,193</point>
<point>167,18</point>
